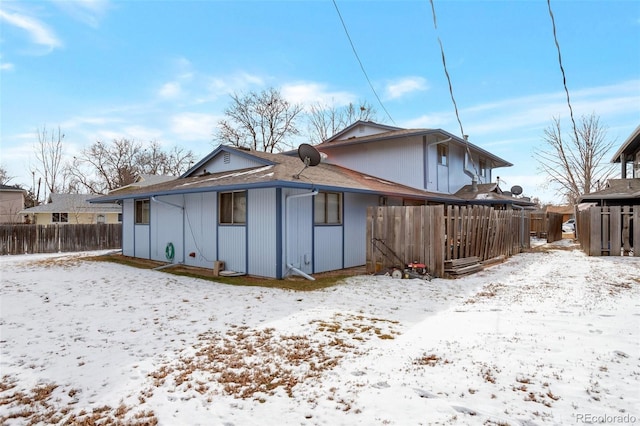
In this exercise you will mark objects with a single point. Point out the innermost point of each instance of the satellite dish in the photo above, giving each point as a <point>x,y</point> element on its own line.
<point>516,190</point>
<point>309,155</point>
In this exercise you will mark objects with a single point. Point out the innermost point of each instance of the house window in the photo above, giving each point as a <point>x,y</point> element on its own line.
<point>119,217</point>
<point>59,217</point>
<point>483,168</point>
<point>100,218</point>
<point>142,211</point>
<point>233,207</point>
<point>328,208</point>
<point>443,154</point>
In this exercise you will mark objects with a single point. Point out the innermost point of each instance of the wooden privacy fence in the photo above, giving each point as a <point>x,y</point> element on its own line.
<point>435,235</point>
<point>546,225</point>
<point>609,231</point>
<point>21,239</point>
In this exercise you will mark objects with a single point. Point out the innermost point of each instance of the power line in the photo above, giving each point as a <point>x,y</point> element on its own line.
<point>564,78</point>
<point>453,99</point>
<point>360,62</point>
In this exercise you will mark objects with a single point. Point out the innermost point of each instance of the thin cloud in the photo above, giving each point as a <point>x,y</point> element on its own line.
<point>38,31</point>
<point>193,126</point>
<point>6,66</point>
<point>170,90</point>
<point>398,88</point>
<point>89,12</point>
<point>308,93</point>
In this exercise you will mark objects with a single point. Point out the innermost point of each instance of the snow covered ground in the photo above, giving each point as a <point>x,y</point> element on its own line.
<point>548,337</point>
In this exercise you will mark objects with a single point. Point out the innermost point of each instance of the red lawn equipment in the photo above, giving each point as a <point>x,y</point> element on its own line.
<point>400,269</point>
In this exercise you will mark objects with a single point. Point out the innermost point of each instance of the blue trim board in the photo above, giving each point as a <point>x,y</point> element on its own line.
<point>279,265</point>
<point>425,169</point>
<point>246,234</point>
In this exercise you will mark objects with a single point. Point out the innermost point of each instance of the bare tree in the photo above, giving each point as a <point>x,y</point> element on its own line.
<point>102,166</point>
<point>576,165</point>
<point>262,121</point>
<point>49,154</point>
<point>4,176</point>
<point>327,120</point>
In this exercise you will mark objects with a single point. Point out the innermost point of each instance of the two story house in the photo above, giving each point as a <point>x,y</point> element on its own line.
<point>270,215</point>
<point>626,190</point>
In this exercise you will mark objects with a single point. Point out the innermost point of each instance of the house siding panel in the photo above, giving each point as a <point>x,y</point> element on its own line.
<point>261,228</point>
<point>232,247</point>
<point>355,232</point>
<point>200,229</point>
<point>141,241</point>
<point>327,248</point>
<point>128,248</point>
<point>167,226</point>
<point>224,162</point>
<point>398,162</point>
<point>297,226</point>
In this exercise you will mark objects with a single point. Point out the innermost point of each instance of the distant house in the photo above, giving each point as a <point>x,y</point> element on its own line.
<point>11,204</point>
<point>73,209</point>
<point>267,215</point>
<point>491,194</point>
<point>143,180</point>
<point>626,190</point>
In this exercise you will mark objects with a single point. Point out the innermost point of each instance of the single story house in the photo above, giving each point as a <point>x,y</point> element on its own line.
<point>73,209</point>
<point>269,215</point>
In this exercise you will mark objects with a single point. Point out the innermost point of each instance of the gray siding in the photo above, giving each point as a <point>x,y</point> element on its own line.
<point>398,162</point>
<point>141,241</point>
<point>327,250</point>
<point>261,226</point>
<point>167,226</point>
<point>232,247</point>
<point>128,248</point>
<point>224,162</point>
<point>200,229</point>
<point>298,229</point>
<point>355,232</point>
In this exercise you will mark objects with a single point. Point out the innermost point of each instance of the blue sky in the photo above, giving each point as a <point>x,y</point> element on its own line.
<point>164,70</point>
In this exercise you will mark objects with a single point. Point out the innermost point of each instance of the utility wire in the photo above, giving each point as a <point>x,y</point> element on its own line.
<point>564,78</point>
<point>453,99</point>
<point>360,62</point>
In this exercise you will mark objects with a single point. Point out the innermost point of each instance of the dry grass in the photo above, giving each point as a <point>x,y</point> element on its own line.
<point>322,280</point>
<point>40,405</point>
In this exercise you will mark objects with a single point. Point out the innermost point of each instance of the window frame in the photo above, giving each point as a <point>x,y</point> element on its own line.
<point>60,217</point>
<point>321,199</point>
<point>443,154</point>
<point>222,219</point>
<point>139,218</point>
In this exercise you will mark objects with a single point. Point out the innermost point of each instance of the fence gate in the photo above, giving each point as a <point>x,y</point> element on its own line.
<point>610,231</point>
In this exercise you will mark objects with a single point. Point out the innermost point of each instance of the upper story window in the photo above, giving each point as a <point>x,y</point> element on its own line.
<point>483,168</point>
<point>232,208</point>
<point>142,211</point>
<point>443,155</point>
<point>328,208</point>
<point>60,217</point>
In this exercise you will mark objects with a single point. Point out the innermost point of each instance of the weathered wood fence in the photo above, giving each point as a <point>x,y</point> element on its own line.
<point>546,225</point>
<point>434,235</point>
<point>21,239</point>
<point>609,231</point>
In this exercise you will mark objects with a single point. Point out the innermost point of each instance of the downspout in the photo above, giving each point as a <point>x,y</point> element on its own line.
<point>155,200</point>
<point>290,266</point>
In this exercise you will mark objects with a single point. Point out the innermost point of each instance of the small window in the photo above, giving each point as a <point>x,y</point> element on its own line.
<point>233,208</point>
<point>100,218</point>
<point>328,208</point>
<point>142,212</point>
<point>483,168</point>
<point>59,217</point>
<point>443,154</point>
<point>119,217</point>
